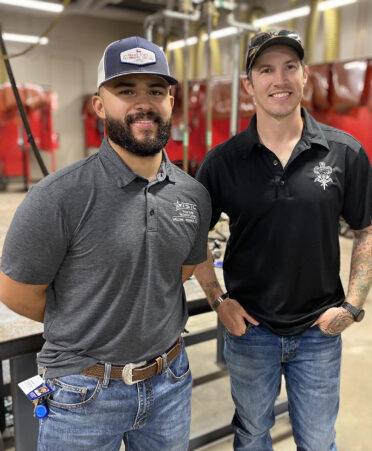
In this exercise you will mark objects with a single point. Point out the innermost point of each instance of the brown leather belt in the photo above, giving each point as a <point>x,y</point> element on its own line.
<point>132,373</point>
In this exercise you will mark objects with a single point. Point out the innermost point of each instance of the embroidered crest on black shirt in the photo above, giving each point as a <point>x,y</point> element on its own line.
<point>323,173</point>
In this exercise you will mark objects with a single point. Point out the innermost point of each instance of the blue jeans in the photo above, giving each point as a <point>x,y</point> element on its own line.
<point>310,363</point>
<point>90,414</point>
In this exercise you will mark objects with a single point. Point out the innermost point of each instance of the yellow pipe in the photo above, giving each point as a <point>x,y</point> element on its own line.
<point>312,30</point>
<point>332,34</point>
<point>200,54</point>
<point>177,56</point>
<point>292,24</point>
<point>248,16</point>
<point>3,73</point>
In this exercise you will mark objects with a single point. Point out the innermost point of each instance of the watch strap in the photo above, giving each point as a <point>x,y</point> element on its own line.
<point>219,300</point>
<point>355,311</point>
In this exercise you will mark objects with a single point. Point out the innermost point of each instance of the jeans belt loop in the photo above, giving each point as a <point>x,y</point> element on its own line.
<point>165,362</point>
<point>106,377</point>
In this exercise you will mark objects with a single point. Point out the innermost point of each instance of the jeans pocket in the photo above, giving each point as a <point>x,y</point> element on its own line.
<point>71,392</point>
<point>249,327</point>
<point>179,368</point>
<point>325,333</point>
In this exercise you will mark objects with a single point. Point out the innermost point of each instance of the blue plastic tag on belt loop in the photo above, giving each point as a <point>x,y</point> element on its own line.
<point>41,410</point>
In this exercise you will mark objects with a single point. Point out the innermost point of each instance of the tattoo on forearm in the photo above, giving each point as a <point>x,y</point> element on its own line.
<point>210,285</point>
<point>210,289</point>
<point>361,268</point>
<point>339,323</point>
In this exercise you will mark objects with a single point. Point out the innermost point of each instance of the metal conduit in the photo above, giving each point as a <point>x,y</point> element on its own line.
<point>208,136</point>
<point>242,28</point>
<point>185,101</point>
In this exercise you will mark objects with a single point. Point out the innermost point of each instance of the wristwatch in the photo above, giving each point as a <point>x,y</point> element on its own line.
<point>356,312</point>
<point>219,300</point>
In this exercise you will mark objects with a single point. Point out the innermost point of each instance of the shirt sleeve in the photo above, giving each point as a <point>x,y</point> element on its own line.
<point>198,253</point>
<point>205,177</point>
<point>357,208</point>
<point>36,242</point>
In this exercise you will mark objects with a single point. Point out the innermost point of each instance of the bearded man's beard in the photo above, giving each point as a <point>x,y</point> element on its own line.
<point>121,134</point>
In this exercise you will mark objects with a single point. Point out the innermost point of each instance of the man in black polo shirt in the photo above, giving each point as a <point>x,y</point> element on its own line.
<point>284,182</point>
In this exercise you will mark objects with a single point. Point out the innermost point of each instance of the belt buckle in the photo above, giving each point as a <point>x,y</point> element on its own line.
<point>127,373</point>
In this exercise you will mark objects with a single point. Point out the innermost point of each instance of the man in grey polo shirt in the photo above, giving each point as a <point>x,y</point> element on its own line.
<point>98,251</point>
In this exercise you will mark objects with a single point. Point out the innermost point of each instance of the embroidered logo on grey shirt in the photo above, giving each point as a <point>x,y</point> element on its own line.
<point>185,212</point>
<point>323,173</point>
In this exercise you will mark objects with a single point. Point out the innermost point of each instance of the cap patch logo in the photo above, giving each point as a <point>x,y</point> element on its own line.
<point>138,56</point>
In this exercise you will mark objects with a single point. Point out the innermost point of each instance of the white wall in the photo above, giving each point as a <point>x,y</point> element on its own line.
<point>68,65</point>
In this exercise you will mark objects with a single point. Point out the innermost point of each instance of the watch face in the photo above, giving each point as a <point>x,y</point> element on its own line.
<point>360,316</point>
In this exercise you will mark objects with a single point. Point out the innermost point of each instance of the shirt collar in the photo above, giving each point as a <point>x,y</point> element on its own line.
<point>312,131</point>
<point>122,174</point>
<point>247,140</point>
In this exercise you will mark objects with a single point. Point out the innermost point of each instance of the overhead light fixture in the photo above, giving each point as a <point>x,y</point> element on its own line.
<point>266,20</point>
<point>34,4</point>
<point>24,38</point>
<point>300,12</point>
<point>328,4</point>
<point>282,17</point>
<point>222,33</point>
<point>181,43</point>
<point>216,34</point>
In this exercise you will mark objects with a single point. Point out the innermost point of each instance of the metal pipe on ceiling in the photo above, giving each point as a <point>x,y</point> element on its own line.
<point>153,19</point>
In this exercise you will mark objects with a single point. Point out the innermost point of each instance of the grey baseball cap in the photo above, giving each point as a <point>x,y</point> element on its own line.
<point>134,55</point>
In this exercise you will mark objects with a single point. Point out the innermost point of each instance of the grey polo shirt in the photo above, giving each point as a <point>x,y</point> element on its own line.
<point>111,246</point>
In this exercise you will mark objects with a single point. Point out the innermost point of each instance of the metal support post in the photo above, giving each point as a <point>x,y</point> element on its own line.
<point>25,425</point>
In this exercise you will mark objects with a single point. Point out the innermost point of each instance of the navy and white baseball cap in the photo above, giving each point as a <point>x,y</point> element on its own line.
<point>133,55</point>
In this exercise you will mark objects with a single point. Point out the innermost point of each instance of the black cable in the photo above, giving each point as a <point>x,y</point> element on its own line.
<point>21,109</point>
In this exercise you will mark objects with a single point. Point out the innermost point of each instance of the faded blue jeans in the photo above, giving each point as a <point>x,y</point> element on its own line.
<point>310,363</point>
<point>89,415</point>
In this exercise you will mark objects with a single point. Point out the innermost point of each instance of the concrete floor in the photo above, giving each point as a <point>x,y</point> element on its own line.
<point>211,403</point>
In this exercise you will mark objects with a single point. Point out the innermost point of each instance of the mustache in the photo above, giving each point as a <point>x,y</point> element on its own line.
<point>149,115</point>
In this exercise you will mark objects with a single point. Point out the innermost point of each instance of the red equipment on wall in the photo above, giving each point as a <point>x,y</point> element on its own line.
<point>14,148</point>
<point>93,127</point>
<point>338,94</point>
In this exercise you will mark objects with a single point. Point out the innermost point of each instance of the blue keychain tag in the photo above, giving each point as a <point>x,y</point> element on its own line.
<point>37,391</point>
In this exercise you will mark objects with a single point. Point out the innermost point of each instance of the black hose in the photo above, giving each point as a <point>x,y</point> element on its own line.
<point>21,109</point>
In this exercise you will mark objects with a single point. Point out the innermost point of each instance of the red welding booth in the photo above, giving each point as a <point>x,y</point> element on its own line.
<point>14,147</point>
<point>338,94</point>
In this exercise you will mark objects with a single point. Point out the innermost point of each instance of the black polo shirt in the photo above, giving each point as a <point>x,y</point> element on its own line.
<point>282,260</point>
